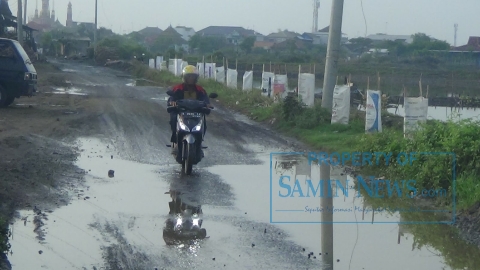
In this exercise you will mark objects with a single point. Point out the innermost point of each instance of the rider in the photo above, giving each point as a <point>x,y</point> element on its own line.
<point>189,89</point>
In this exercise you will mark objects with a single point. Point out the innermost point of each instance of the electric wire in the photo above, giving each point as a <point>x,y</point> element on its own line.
<point>364,18</point>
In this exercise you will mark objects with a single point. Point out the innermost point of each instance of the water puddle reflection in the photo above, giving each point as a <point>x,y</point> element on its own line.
<point>102,212</point>
<point>367,238</point>
<point>69,91</point>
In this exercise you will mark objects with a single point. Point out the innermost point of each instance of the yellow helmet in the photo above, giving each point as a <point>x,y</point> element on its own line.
<point>189,72</point>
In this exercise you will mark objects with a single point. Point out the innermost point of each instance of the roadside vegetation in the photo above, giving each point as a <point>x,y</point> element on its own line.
<point>4,235</point>
<point>312,125</point>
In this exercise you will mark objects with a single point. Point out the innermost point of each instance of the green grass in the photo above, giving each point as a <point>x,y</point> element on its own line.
<point>4,235</point>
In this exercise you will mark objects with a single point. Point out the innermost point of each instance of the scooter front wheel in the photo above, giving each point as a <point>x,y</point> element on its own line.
<point>187,163</point>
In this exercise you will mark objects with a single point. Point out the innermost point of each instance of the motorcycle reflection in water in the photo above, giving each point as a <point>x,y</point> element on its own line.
<point>184,223</point>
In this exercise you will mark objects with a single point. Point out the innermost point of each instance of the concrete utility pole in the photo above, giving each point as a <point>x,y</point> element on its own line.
<point>95,32</point>
<point>19,23</point>
<point>25,13</point>
<point>331,68</point>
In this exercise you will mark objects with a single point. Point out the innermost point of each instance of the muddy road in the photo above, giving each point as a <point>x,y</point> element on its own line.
<point>73,215</point>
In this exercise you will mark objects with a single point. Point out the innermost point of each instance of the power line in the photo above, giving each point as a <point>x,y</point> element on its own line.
<point>365,19</point>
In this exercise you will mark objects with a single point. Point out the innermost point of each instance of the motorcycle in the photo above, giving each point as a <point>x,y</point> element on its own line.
<point>184,223</point>
<point>190,131</point>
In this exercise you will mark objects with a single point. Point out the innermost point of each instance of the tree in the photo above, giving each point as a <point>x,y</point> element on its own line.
<point>46,40</point>
<point>247,44</point>
<point>163,43</point>
<point>362,44</point>
<point>207,44</point>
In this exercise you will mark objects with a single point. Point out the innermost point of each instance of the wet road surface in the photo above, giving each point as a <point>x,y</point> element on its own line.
<point>118,222</point>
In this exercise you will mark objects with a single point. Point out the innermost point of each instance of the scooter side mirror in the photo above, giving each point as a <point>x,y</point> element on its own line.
<point>206,111</point>
<point>213,95</point>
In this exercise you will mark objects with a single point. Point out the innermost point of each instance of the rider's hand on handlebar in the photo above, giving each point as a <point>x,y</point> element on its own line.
<point>173,103</point>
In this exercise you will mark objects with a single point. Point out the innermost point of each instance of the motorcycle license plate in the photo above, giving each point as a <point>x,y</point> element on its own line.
<point>191,114</point>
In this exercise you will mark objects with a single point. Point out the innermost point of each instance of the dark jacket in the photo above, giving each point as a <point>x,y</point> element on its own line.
<point>178,93</point>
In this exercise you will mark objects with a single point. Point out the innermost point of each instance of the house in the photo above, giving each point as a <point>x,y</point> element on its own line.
<point>380,38</point>
<point>471,50</point>
<point>7,20</point>
<point>282,36</point>
<point>233,34</point>
<point>150,34</point>
<point>186,32</point>
<point>259,37</point>
<point>321,36</point>
<point>88,25</point>
<point>171,34</point>
<point>472,45</point>
<point>306,37</point>
<point>378,51</point>
<point>266,45</point>
<point>74,45</point>
<point>299,44</point>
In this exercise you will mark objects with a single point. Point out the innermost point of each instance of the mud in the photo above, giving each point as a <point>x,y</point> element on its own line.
<point>44,167</point>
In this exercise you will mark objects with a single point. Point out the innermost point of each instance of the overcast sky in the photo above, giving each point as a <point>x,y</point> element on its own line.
<point>400,17</point>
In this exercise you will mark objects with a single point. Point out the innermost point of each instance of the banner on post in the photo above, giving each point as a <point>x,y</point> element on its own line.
<point>158,63</point>
<point>180,66</point>
<point>373,118</point>
<point>171,66</point>
<point>220,76</point>
<point>201,70</point>
<point>210,70</point>
<point>266,76</point>
<point>280,85</point>
<point>416,111</point>
<point>341,104</point>
<point>232,78</point>
<point>248,80</point>
<point>306,88</point>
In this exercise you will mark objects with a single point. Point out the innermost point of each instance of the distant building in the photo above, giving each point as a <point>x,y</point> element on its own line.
<point>233,34</point>
<point>472,45</point>
<point>69,22</point>
<point>471,51</point>
<point>259,37</point>
<point>266,45</point>
<point>171,34</point>
<point>46,19</point>
<point>281,36</point>
<point>379,38</point>
<point>150,34</point>
<point>378,51</point>
<point>298,44</point>
<point>186,32</point>
<point>321,36</point>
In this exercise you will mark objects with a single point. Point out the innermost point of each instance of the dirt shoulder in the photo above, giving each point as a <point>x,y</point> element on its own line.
<point>36,164</point>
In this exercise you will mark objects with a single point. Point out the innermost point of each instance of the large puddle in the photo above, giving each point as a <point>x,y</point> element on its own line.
<point>71,237</point>
<point>130,208</point>
<point>362,239</point>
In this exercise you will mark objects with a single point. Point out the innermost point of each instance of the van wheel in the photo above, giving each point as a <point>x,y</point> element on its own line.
<point>4,98</point>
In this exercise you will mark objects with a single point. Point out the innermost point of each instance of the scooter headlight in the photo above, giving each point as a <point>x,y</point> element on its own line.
<point>195,221</point>
<point>179,222</point>
<point>199,126</point>
<point>182,125</point>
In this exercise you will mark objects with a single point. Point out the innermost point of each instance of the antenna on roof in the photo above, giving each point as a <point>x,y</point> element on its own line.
<point>455,37</point>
